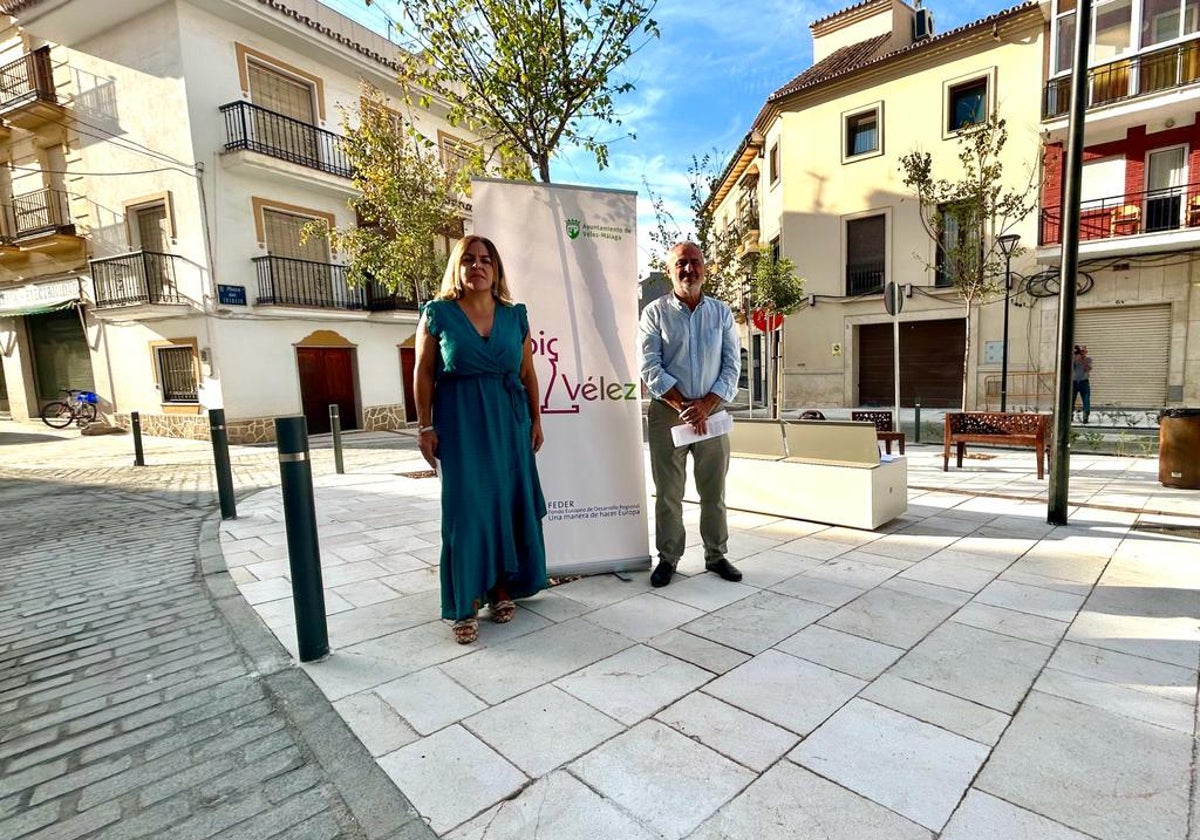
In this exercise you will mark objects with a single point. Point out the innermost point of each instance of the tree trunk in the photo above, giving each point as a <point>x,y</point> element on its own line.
<point>543,165</point>
<point>966,355</point>
<point>779,375</point>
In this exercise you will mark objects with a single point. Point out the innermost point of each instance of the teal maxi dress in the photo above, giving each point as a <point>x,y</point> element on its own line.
<point>492,503</point>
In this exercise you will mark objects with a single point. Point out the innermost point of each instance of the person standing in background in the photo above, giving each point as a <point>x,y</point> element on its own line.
<point>688,356</point>
<point>1081,384</point>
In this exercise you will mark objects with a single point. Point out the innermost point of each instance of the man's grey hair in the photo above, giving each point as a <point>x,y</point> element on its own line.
<point>685,243</point>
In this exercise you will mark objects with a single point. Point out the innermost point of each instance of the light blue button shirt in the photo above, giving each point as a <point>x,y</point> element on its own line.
<point>696,351</point>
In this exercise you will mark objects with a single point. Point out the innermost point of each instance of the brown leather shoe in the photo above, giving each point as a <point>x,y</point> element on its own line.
<point>725,569</point>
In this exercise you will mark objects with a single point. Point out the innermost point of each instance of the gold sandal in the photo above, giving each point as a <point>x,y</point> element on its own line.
<point>466,630</point>
<point>503,611</point>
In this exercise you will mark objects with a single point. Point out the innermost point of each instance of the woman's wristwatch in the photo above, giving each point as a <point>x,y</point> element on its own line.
<point>425,429</point>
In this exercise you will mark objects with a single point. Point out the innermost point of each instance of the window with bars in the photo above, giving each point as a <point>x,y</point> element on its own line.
<point>455,153</point>
<point>866,254</point>
<point>177,373</point>
<point>959,248</point>
<point>287,123</point>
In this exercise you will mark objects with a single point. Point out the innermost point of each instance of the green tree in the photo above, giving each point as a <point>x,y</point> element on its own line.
<point>776,290</point>
<point>405,199</point>
<point>966,216</point>
<point>525,76</point>
<point>726,268</point>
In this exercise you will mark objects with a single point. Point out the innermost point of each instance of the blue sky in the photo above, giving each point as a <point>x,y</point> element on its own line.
<point>699,87</point>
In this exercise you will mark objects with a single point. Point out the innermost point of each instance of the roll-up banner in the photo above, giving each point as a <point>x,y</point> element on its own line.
<point>570,255</point>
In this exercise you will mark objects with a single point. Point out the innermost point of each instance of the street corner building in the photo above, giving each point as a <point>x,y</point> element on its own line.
<point>817,179</point>
<point>159,161</point>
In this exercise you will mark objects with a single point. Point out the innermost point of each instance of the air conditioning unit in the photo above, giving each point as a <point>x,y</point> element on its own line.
<point>923,25</point>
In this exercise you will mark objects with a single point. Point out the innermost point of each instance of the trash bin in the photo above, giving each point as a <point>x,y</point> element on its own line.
<point>1179,448</point>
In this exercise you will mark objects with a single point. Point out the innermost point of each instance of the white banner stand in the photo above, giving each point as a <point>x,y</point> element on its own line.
<point>570,255</point>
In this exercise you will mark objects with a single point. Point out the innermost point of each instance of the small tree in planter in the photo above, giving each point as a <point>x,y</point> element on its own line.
<point>777,291</point>
<point>966,217</point>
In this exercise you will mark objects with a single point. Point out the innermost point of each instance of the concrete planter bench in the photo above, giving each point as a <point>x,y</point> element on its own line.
<point>998,429</point>
<point>818,471</point>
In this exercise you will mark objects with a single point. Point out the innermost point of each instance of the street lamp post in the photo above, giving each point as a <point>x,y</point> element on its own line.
<point>1008,244</point>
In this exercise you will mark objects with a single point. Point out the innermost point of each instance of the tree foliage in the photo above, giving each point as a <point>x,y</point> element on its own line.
<point>526,75</point>
<point>726,271</point>
<point>777,290</point>
<point>774,285</point>
<point>405,199</point>
<point>966,216</point>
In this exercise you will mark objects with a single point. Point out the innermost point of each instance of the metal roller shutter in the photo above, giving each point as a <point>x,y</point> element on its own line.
<point>931,363</point>
<point>1130,348</point>
<point>60,353</point>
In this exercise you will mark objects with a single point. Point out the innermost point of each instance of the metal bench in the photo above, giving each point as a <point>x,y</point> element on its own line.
<point>997,428</point>
<point>884,430</point>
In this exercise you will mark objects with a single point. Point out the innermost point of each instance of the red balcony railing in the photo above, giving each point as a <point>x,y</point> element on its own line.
<point>1149,211</point>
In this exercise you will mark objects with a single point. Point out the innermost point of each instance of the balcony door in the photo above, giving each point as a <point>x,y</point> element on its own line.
<point>286,128</point>
<point>150,228</point>
<point>1166,175</point>
<point>300,272</point>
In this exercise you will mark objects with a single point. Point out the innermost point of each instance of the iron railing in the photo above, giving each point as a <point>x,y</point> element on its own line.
<point>1129,78</point>
<point>285,281</point>
<point>247,126</point>
<point>864,279</point>
<point>28,79</point>
<point>1148,211</point>
<point>41,211</point>
<point>131,279</point>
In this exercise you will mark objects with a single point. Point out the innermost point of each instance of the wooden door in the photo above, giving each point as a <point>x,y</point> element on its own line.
<point>931,363</point>
<point>327,378</point>
<point>408,367</point>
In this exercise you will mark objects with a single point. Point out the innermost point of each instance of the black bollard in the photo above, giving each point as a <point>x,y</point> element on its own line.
<point>335,423</point>
<point>300,520</point>
<point>220,445</point>
<point>135,422</point>
<point>917,420</point>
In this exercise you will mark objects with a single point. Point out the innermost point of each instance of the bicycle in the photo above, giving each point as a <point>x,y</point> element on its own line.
<point>79,408</point>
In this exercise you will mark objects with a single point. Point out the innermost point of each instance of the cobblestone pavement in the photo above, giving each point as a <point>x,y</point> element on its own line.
<point>138,696</point>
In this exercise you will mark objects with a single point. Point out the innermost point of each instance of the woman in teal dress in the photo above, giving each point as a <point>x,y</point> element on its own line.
<point>479,416</point>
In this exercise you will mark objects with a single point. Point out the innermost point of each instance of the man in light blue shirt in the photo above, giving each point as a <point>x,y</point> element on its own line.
<point>690,359</point>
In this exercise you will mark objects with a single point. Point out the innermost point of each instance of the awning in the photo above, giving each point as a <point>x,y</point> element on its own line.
<point>38,308</point>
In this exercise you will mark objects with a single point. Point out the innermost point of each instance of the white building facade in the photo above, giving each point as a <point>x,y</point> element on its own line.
<point>158,162</point>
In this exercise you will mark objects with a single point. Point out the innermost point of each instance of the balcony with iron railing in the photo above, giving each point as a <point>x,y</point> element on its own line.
<point>251,128</point>
<point>142,277</point>
<point>864,279</point>
<point>1158,211</point>
<point>284,281</point>
<point>38,213</point>
<point>27,95</point>
<point>1131,78</point>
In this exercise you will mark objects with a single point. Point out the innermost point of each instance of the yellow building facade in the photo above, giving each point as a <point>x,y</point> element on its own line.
<point>818,180</point>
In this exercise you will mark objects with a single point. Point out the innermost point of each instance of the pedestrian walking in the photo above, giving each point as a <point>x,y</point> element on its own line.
<point>689,360</point>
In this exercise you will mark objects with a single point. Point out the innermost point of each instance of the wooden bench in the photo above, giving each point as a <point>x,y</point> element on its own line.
<point>884,430</point>
<point>999,428</point>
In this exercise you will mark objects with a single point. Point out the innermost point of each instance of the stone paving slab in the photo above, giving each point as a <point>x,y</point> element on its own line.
<point>693,752</point>
<point>139,699</point>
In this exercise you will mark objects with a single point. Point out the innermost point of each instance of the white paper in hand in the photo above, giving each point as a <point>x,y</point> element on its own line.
<point>718,424</point>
